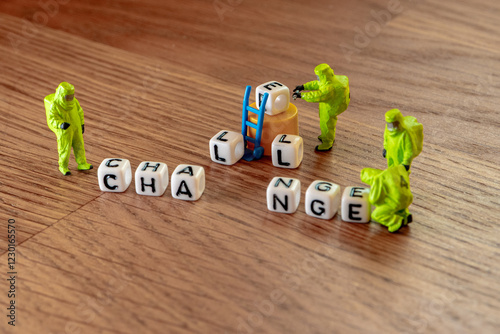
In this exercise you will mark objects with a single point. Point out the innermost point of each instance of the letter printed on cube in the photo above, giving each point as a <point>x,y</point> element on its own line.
<point>279,97</point>
<point>322,199</point>
<point>151,178</point>
<point>188,182</point>
<point>287,151</point>
<point>227,147</point>
<point>355,206</point>
<point>114,174</point>
<point>283,195</point>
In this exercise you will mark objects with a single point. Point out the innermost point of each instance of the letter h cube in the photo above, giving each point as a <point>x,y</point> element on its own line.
<point>151,178</point>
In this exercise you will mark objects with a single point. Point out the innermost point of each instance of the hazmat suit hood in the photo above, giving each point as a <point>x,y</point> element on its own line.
<point>62,90</point>
<point>392,116</point>
<point>324,73</point>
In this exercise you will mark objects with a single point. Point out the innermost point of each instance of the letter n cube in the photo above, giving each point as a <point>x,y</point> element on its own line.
<point>283,195</point>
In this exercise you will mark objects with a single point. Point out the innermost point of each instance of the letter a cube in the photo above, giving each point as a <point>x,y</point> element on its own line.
<point>283,195</point>
<point>322,199</point>
<point>188,182</point>
<point>355,206</point>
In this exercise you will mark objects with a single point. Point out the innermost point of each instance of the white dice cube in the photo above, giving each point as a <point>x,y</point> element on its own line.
<point>355,206</point>
<point>287,151</point>
<point>114,174</point>
<point>151,178</point>
<point>283,195</point>
<point>227,147</point>
<point>278,100</point>
<point>322,199</point>
<point>188,182</point>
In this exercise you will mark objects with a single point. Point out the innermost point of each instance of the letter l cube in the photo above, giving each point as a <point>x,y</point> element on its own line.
<point>287,151</point>
<point>227,147</point>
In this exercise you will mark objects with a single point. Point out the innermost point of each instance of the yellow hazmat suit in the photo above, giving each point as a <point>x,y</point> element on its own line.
<point>332,93</point>
<point>65,119</point>
<point>390,193</point>
<point>398,148</point>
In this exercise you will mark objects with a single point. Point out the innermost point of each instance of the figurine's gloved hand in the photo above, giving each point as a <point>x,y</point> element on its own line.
<point>65,125</point>
<point>299,88</point>
<point>83,129</point>
<point>296,95</point>
<point>407,167</point>
<point>384,152</point>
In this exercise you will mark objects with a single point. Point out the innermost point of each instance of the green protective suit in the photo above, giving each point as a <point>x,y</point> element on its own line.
<point>332,93</point>
<point>397,143</point>
<point>59,110</point>
<point>390,193</point>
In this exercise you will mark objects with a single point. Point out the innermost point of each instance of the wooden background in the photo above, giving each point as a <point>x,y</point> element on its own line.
<point>157,79</point>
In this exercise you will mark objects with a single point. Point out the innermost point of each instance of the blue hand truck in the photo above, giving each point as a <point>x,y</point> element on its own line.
<point>258,150</point>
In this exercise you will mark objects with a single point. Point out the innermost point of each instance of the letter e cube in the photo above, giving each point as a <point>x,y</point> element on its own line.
<point>278,100</point>
<point>355,206</point>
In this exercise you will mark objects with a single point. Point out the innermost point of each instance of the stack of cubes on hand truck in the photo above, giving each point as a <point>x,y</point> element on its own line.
<point>276,134</point>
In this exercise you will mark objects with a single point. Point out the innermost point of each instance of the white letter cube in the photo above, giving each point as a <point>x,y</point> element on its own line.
<point>283,195</point>
<point>151,178</point>
<point>278,100</point>
<point>322,199</point>
<point>114,174</point>
<point>287,151</point>
<point>227,147</point>
<point>188,182</point>
<point>355,205</point>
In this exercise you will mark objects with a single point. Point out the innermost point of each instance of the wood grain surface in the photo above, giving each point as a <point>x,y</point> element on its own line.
<point>157,79</point>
